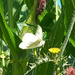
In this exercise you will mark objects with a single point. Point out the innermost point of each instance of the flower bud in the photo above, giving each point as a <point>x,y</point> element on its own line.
<point>41,6</point>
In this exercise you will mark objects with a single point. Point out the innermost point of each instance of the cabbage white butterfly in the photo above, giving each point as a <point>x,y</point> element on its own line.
<point>30,40</point>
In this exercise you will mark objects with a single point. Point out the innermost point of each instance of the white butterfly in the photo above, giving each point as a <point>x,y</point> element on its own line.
<point>30,40</point>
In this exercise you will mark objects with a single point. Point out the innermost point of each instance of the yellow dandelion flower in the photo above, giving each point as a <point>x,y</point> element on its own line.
<point>54,50</point>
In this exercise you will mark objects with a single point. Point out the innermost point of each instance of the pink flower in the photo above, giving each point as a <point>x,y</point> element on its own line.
<point>70,71</point>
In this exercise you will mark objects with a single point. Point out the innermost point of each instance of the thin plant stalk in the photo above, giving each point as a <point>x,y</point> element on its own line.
<point>35,53</point>
<point>56,10</point>
<point>10,15</point>
<point>3,57</point>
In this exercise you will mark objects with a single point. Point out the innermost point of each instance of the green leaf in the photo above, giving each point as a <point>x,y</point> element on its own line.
<point>32,16</point>
<point>55,36</point>
<point>1,33</point>
<point>50,68</point>
<point>72,37</point>
<point>69,14</point>
<point>45,69</point>
<point>13,42</point>
<point>70,49</point>
<point>13,8</point>
<point>47,22</point>
<point>17,5</point>
<point>71,60</point>
<point>9,69</point>
<point>1,8</point>
<point>12,39</point>
<point>50,5</point>
<point>29,3</point>
<point>9,36</point>
<point>23,14</point>
<point>73,2</point>
<point>41,66</point>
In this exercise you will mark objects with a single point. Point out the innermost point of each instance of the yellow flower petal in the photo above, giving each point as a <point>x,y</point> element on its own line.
<point>54,50</point>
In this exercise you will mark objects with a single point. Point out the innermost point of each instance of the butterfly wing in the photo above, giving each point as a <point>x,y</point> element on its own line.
<point>28,39</point>
<point>35,44</point>
<point>23,45</point>
<point>39,32</point>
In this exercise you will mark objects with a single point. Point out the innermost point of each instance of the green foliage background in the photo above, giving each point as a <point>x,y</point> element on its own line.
<point>22,13</point>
